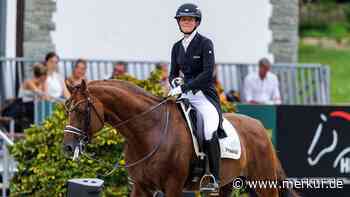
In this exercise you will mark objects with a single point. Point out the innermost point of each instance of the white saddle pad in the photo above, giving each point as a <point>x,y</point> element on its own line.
<point>230,146</point>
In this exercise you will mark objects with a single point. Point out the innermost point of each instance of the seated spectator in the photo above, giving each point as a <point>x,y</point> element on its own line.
<point>55,83</point>
<point>36,86</point>
<point>262,87</point>
<point>118,70</point>
<point>78,74</point>
<point>164,78</point>
<point>23,110</point>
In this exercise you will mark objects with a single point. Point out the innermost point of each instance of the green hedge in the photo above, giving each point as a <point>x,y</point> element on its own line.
<point>326,19</point>
<point>42,168</point>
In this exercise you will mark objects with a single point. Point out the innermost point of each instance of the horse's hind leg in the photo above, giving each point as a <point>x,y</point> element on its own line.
<point>138,191</point>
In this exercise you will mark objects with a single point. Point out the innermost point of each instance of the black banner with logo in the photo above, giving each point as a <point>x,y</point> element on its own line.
<point>313,142</point>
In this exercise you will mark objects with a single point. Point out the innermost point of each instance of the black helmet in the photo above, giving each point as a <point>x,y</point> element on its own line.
<point>189,9</point>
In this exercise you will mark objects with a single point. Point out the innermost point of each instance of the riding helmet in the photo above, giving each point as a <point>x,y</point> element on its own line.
<point>189,9</point>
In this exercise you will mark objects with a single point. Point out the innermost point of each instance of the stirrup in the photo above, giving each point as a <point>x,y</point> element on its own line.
<point>211,187</point>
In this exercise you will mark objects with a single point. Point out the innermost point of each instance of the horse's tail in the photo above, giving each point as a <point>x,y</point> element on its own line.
<point>281,175</point>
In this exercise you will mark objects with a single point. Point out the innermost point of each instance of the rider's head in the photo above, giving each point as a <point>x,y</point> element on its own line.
<point>188,17</point>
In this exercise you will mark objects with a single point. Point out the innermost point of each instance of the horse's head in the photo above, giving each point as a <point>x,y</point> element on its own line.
<point>86,117</point>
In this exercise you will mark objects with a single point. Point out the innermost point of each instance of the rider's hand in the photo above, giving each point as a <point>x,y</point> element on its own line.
<point>178,81</point>
<point>175,91</point>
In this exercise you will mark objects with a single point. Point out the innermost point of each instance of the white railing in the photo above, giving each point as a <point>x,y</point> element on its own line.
<point>8,163</point>
<point>305,84</point>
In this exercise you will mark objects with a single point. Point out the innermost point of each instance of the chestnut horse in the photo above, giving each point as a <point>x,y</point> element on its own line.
<point>158,145</point>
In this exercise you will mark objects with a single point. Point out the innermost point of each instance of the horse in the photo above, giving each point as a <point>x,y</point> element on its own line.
<point>159,147</point>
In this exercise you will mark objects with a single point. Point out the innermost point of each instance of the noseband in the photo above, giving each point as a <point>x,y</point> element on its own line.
<point>83,134</point>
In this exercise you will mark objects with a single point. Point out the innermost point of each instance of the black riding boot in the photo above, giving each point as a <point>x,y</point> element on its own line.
<point>213,151</point>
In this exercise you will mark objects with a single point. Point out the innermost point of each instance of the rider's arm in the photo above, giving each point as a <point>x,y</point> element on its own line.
<point>205,78</point>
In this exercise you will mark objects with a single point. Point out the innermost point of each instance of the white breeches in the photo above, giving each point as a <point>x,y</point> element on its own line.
<point>208,111</point>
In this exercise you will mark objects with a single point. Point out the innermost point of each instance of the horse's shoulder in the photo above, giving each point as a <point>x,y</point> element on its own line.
<point>173,105</point>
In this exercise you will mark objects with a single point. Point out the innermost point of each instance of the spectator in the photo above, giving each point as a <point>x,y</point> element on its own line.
<point>78,73</point>
<point>119,69</point>
<point>164,81</point>
<point>29,90</point>
<point>262,87</point>
<point>55,83</point>
<point>36,86</point>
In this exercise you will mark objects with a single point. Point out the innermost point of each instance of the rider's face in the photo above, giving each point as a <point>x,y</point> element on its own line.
<point>187,23</point>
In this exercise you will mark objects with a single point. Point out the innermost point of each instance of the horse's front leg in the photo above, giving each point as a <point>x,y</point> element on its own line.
<point>139,191</point>
<point>174,188</point>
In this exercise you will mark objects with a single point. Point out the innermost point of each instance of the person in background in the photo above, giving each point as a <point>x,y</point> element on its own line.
<point>31,89</point>
<point>164,81</point>
<point>79,73</point>
<point>55,82</point>
<point>118,69</point>
<point>262,87</point>
<point>35,86</point>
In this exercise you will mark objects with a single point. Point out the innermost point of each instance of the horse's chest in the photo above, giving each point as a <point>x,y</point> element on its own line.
<point>147,175</point>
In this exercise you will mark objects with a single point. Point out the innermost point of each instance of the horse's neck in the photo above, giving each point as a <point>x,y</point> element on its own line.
<point>121,105</point>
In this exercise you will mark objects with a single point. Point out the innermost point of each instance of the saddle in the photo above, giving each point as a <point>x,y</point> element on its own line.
<point>229,140</point>
<point>194,121</point>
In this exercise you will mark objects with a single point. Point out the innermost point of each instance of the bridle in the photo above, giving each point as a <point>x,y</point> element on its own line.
<point>84,137</point>
<point>82,133</point>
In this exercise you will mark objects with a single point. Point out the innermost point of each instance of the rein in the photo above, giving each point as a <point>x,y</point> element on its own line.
<point>117,165</point>
<point>142,114</point>
<point>84,133</point>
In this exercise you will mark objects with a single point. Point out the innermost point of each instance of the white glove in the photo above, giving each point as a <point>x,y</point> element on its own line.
<point>177,82</point>
<point>175,91</point>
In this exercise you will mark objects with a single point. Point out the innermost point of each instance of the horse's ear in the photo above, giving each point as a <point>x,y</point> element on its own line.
<point>83,86</point>
<point>69,86</point>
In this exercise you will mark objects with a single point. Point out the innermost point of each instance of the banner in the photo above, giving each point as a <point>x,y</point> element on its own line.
<point>314,143</point>
<point>264,113</point>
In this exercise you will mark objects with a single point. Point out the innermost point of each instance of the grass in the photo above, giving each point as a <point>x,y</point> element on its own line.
<point>339,62</point>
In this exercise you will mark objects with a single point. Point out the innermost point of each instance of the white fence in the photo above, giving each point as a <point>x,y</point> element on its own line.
<point>307,84</point>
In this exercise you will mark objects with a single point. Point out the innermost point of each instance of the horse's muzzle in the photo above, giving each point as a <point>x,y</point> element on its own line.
<point>72,151</point>
<point>68,149</point>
